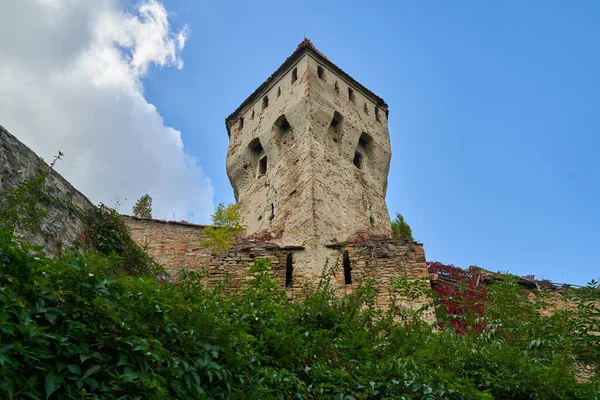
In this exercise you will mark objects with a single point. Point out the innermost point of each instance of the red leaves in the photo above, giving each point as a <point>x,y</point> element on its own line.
<point>463,294</point>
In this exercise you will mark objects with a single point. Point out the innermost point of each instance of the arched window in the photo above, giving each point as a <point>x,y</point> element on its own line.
<point>335,127</point>
<point>282,125</point>
<point>347,268</point>
<point>363,151</point>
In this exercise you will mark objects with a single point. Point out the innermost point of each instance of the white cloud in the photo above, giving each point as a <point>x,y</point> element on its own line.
<point>71,80</point>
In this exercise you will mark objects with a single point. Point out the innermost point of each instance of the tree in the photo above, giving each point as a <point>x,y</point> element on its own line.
<point>225,228</point>
<point>401,230</point>
<point>143,207</point>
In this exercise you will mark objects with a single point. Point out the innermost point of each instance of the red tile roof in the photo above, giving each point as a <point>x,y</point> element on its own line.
<point>304,47</point>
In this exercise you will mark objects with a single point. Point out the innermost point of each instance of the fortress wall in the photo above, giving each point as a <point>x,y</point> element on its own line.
<point>64,221</point>
<point>176,245</point>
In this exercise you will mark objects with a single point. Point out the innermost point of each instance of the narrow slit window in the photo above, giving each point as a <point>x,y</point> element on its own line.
<point>278,92</point>
<point>262,166</point>
<point>272,212</point>
<point>347,269</point>
<point>351,95</point>
<point>289,269</point>
<point>321,72</point>
<point>241,122</point>
<point>294,75</point>
<point>358,158</point>
<point>336,87</point>
<point>365,108</point>
<point>377,117</point>
<point>252,115</point>
<point>265,103</point>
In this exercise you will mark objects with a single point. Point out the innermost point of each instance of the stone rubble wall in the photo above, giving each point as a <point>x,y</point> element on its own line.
<point>64,221</point>
<point>176,245</point>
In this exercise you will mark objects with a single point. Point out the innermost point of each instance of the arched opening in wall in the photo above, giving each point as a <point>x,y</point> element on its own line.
<point>321,72</point>
<point>294,75</point>
<point>335,128</point>
<point>289,269</point>
<point>363,151</point>
<point>347,268</point>
<point>282,125</point>
<point>258,156</point>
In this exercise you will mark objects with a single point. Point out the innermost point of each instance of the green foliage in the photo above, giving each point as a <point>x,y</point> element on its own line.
<point>225,228</point>
<point>401,230</point>
<point>20,207</point>
<point>143,207</point>
<point>107,233</point>
<point>72,328</point>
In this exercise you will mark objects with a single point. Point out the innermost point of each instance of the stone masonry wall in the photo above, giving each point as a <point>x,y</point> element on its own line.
<point>176,245</point>
<point>63,223</point>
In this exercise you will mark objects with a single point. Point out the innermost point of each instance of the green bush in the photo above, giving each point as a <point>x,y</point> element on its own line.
<point>401,230</point>
<point>73,328</point>
<point>107,233</point>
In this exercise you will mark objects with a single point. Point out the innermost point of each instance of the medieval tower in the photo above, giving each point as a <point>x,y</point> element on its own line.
<point>309,155</point>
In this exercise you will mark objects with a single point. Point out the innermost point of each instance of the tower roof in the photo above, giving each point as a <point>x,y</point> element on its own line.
<point>304,47</point>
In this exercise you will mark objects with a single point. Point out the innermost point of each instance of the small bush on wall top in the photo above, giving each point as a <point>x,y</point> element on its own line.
<point>143,207</point>
<point>401,230</point>
<point>225,228</point>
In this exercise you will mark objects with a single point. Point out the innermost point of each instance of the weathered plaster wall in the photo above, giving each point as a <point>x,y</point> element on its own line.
<point>312,194</point>
<point>63,224</point>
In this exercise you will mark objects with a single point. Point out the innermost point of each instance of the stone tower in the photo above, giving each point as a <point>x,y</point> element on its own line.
<point>308,158</point>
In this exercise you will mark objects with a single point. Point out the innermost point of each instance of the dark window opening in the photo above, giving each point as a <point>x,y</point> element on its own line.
<point>289,268</point>
<point>294,75</point>
<point>351,94</point>
<point>335,128</point>
<point>336,87</point>
<point>255,146</point>
<point>347,269</point>
<point>377,117</point>
<point>365,108</point>
<point>278,91</point>
<point>241,122</point>
<point>283,125</point>
<point>265,102</point>
<point>272,210</point>
<point>321,72</point>
<point>252,116</point>
<point>362,142</point>
<point>358,160</point>
<point>262,166</point>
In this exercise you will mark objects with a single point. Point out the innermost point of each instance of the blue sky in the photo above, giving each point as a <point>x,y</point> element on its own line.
<point>494,109</point>
<point>494,113</point>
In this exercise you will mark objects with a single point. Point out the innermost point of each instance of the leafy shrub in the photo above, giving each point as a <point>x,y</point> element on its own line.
<point>107,233</point>
<point>462,300</point>
<point>20,207</point>
<point>225,228</point>
<point>72,328</point>
<point>401,230</point>
<point>143,207</point>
